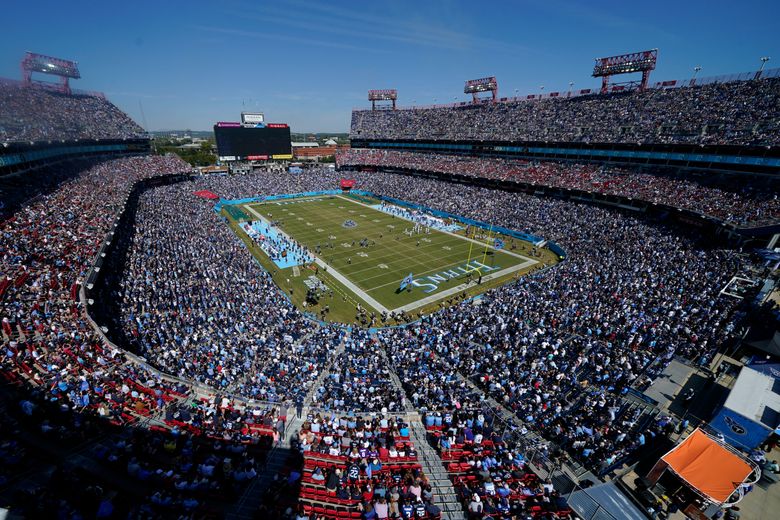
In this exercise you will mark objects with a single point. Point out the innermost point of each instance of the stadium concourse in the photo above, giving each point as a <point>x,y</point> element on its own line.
<point>216,397</point>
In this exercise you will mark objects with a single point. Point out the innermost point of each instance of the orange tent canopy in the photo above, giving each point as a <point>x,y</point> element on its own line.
<point>707,466</point>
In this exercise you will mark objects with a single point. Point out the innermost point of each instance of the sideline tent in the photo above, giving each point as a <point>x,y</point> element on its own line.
<point>708,467</point>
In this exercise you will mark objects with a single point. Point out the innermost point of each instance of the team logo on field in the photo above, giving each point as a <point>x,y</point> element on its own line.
<point>431,283</point>
<point>349,223</point>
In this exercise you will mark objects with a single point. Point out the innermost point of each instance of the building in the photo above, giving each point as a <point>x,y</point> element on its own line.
<point>314,153</point>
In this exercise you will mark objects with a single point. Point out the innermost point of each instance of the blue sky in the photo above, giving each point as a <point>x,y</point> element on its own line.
<point>309,63</point>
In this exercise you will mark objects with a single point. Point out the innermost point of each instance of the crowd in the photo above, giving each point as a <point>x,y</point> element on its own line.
<point>489,468</point>
<point>46,249</point>
<point>557,347</point>
<point>740,203</point>
<point>359,380</point>
<point>39,114</point>
<point>744,112</point>
<point>197,306</point>
<point>284,251</point>
<point>367,464</point>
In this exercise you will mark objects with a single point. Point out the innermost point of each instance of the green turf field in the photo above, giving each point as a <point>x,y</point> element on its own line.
<point>445,265</point>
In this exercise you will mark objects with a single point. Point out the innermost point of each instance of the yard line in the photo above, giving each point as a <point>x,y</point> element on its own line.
<point>420,257</point>
<point>387,252</point>
<point>445,232</point>
<point>454,290</point>
<point>525,259</point>
<point>438,269</point>
<point>333,272</point>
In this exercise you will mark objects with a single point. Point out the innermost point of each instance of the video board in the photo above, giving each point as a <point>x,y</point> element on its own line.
<point>238,142</point>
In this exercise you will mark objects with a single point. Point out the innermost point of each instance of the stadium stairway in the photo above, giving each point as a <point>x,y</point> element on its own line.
<point>570,469</point>
<point>433,468</point>
<point>277,463</point>
<point>432,465</point>
<point>247,505</point>
<point>321,377</point>
<point>278,459</point>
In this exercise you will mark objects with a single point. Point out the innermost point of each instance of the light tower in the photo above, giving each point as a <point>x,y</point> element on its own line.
<point>375,96</point>
<point>478,86</point>
<point>760,71</point>
<point>64,69</point>
<point>696,70</point>
<point>643,62</point>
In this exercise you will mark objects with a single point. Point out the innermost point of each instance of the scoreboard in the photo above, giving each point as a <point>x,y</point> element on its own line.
<point>237,142</point>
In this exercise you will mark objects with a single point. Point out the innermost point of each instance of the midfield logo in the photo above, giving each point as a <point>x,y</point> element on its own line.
<point>431,283</point>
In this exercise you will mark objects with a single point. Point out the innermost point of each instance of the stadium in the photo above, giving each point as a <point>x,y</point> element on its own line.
<point>551,305</point>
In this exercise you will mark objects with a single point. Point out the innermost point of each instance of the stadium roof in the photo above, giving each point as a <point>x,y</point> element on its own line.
<point>756,395</point>
<point>707,466</point>
<point>608,497</point>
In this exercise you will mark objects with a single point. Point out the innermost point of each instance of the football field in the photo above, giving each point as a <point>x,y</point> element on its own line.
<point>365,251</point>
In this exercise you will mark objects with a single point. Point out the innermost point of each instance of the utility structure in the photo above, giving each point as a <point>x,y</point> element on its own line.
<point>760,71</point>
<point>64,69</point>
<point>643,61</point>
<point>383,96</point>
<point>479,86</point>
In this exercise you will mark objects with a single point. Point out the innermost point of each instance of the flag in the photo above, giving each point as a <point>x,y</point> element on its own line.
<point>498,244</point>
<point>405,282</point>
